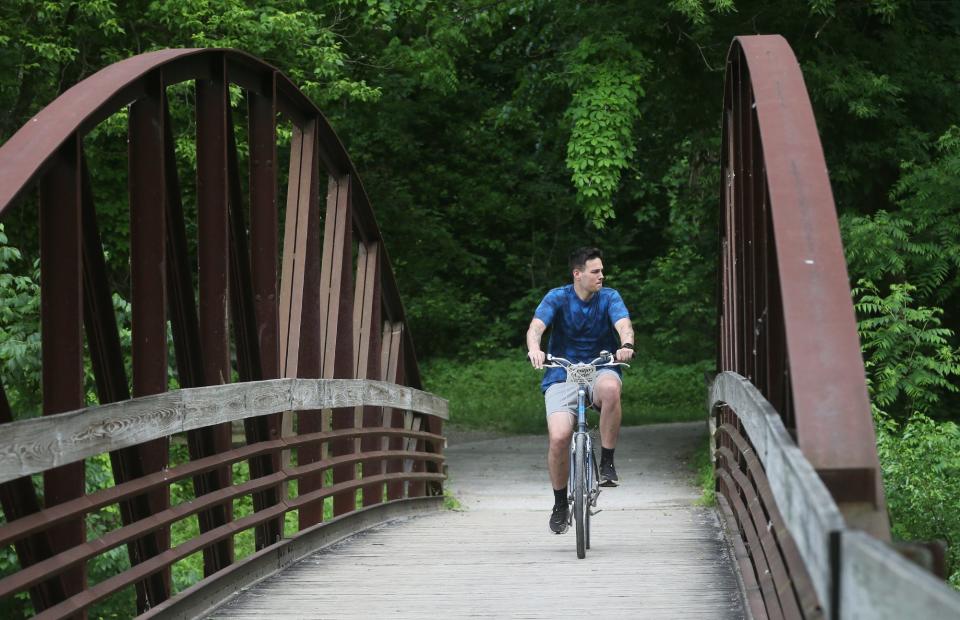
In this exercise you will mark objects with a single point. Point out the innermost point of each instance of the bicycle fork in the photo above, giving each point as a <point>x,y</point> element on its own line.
<point>592,482</point>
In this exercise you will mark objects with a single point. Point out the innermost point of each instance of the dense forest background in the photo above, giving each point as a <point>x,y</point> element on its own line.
<point>494,136</point>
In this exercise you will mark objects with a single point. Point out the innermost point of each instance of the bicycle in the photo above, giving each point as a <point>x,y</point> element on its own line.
<point>584,480</point>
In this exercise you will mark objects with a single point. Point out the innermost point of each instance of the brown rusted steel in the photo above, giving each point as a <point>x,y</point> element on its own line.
<point>182,305</point>
<point>17,529</point>
<point>80,553</point>
<point>20,505</point>
<point>147,185</point>
<point>771,556</point>
<point>244,323</point>
<point>294,333</point>
<point>793,563</point>
<point>300,293</point>
<point>61,307</point>
<point>749,532</point>
<point>262,177</point>
<point>754,598</point>
<point>786,314</point>
<point>213,258</point>
<point>367,333</point>
<point>395,370</point>
<point>336,304</point>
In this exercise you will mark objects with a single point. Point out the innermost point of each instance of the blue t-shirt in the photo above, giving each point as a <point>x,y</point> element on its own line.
<point>581,329</point>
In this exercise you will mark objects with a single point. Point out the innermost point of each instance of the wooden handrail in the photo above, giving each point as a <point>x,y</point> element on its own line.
<point>35,445</point>
<point>853,573</point>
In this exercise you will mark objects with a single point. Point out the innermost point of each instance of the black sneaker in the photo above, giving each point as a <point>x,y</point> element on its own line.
<point>558,520</point>
<point>608,475</point>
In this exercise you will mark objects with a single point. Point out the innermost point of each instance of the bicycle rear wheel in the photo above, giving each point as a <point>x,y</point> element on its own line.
<point>581,509</point>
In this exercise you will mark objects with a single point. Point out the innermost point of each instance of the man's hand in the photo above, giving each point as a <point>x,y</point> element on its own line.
<point>534,332</point>
<point>624,354</point>
<point>537,358</point>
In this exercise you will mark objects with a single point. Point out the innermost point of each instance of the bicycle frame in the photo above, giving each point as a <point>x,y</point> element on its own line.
<point>581,429</point>
<point>583,487</point>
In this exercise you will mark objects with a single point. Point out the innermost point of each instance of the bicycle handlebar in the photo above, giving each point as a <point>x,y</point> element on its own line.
<point>605,359</point>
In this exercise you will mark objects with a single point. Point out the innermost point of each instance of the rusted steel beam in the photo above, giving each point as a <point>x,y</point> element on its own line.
<point>19,502</point>
<point>182,306</point>
<point>367,327</point>
<point>244,322</point>
<point>242,312</point>
<point>147,185</point>
<point>394,418</point>
<point>300,345</point>
<point>734,443</point>
<point>81,553</point>
<point>785,600</point>
<point>17,528</point>
<point>213,258</point>
<point>27,154</point>
<point>61,303</point>
<point>224,532</point>
<point>261,111</point>
<point>751,589</point>
<point>752,539</point>
<point>783,266</point>
<point>336,311</point>
<point>203,354</point>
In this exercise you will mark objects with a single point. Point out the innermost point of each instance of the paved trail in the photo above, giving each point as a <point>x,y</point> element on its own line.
<point>654,553</point>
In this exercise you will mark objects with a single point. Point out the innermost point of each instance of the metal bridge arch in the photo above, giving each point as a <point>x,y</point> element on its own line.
<point>327,308</point>
<point>786,314</point>
<point>794,445</point>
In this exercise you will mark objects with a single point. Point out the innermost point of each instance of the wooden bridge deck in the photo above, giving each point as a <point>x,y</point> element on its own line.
<point>654,553</point>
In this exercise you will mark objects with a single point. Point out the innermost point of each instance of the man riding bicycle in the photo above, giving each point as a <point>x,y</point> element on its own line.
<point>584,316</point>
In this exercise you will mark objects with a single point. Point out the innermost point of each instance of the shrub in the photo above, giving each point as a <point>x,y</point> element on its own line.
<point>921,473</point>
<point>503,394</point>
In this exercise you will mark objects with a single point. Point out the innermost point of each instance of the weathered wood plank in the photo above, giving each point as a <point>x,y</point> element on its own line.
<point>877,583</point>
<point>38,444</point>
<point>808,509</point>
<point>653,553</point>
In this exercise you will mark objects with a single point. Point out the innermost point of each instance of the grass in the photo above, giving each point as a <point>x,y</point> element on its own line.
<point>702,465</point>
<point>504,394</point>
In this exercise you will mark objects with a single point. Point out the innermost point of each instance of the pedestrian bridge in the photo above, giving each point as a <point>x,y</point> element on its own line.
<point>298,447</point>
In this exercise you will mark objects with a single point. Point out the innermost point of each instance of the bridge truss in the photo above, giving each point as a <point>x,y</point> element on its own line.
<point>797,475</point>
<point>283,318</point>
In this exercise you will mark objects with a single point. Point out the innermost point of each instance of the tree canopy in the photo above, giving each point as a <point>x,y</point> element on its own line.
<point>494,136</point>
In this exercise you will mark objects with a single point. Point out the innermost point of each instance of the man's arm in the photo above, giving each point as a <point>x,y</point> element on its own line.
<point>625,330</point>
<point>534,333</point>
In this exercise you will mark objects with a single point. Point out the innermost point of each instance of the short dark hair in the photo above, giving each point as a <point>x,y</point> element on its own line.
<point>580,256</point>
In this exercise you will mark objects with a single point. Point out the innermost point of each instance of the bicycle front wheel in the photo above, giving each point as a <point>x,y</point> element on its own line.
<point>581,503</point>
<point>591,497</point>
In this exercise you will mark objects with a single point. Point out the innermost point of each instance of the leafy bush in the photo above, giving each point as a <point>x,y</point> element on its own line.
<point>503,394</point>
<point>921,473</point>
<point>908,356</point>
<point>910,365</point>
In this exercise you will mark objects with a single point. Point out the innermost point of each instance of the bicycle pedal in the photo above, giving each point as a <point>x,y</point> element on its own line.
<point>596,512</point>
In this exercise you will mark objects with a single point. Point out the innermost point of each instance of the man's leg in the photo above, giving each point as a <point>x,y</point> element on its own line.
<point>606,396</point>
<point>560,430</point>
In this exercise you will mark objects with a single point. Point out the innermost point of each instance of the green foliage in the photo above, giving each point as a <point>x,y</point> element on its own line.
<point>19,330</point>
<point>504,394</point>
<point>921,472</point>
<point>908,356</point>
<point>675,304</point>
<point>702,465</point>
<point>919,242</point>
<point>605,73</point>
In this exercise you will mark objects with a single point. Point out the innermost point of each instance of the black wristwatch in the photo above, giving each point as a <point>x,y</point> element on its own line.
<point>627,345</point>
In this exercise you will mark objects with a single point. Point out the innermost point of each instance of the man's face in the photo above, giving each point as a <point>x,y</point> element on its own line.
<point>591,278</point>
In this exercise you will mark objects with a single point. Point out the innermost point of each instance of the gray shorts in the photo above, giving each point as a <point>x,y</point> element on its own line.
<point>562,397</point>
